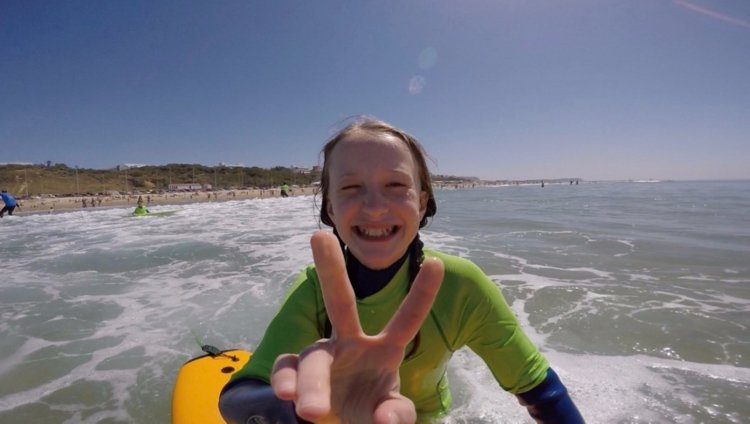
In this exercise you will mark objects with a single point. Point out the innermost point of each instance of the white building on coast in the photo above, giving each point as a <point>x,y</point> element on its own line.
<point>190,187</point>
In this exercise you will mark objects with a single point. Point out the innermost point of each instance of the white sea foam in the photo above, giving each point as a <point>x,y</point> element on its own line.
<point>108,305</point>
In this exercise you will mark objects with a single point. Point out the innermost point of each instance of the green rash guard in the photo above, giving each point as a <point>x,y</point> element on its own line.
<point>469,311</point>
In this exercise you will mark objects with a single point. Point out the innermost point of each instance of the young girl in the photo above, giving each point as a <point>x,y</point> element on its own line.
<point>366,334</point>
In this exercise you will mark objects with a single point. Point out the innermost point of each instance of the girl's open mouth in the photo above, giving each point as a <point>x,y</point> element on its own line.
<point>376,233</point>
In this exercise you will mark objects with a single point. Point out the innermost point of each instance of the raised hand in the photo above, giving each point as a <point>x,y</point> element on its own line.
<point>353,377</point>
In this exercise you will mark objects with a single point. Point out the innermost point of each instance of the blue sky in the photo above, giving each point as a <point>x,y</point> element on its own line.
<point>596,89</point>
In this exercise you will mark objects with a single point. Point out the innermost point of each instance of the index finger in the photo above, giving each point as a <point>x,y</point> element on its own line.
<point>409,317</point>
<point>338,293</point>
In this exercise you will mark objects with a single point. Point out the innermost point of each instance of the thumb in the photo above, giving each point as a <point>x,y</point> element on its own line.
<point>396,410</point>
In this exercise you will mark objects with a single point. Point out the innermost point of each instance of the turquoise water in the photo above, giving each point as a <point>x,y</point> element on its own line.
<point>638,293</point>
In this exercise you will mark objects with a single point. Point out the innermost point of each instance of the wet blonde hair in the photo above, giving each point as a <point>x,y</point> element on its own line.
<point>368,125</point>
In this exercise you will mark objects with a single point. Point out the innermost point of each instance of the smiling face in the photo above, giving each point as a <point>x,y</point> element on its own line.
<point>375,198</point>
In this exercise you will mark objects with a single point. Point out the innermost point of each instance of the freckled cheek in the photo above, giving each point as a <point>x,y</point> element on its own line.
<point>343,207</point>
<point>409,200</point>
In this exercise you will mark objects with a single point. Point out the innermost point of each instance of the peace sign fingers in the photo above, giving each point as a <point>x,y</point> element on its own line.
<point>409,317</point>
<point>338,293</point>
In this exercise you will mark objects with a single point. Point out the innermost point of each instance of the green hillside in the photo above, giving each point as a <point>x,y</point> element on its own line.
<point>34,180</point>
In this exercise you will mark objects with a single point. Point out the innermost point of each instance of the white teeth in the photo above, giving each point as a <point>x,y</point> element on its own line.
<point>376,232</point>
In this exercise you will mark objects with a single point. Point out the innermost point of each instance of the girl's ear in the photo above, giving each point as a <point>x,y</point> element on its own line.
<point>329,208</point>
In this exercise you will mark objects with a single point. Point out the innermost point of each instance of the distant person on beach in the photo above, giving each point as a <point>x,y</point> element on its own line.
<point>284,190</point>
<point>365,334</point>
<point>140,208</point>
<point>10,203</point>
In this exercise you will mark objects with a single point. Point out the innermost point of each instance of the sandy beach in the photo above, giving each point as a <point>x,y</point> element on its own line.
<point>67,204</point>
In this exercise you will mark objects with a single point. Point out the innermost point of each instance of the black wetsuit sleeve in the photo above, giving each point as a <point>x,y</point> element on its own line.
<point>549,402</point>
<point>244,399</point>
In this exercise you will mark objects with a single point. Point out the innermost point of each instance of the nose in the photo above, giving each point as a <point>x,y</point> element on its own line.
<point>375,203</point>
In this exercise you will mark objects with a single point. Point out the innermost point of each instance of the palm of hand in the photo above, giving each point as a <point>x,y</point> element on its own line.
<point>364,375</point>
<point>353,377</point>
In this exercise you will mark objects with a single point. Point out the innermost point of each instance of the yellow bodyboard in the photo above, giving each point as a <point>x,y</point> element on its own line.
<point>195,399</point>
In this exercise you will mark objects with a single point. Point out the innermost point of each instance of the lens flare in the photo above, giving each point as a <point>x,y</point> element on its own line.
<point>416,84</point>
<point>427,58</point>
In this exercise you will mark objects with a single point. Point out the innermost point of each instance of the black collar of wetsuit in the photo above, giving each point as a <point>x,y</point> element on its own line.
<point>366,281</point>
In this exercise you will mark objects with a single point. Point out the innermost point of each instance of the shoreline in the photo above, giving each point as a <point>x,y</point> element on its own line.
<point>77,203</point>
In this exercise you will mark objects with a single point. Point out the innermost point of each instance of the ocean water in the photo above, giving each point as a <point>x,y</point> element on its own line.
<point>637,293</point>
